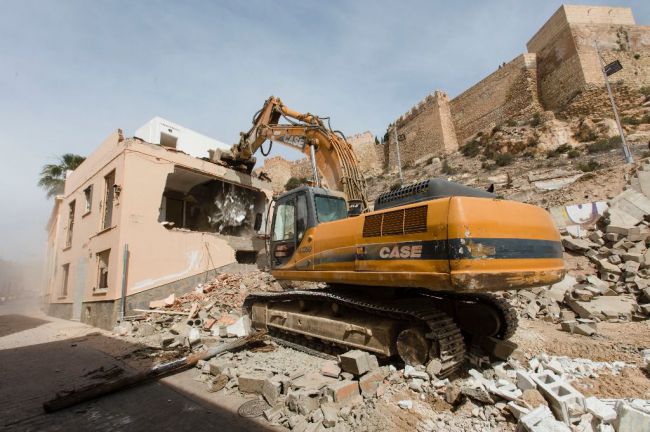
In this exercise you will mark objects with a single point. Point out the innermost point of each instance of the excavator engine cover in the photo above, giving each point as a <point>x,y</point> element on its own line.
<point>427,190</point>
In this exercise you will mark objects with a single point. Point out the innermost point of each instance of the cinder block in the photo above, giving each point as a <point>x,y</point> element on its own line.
<point>560,395</point>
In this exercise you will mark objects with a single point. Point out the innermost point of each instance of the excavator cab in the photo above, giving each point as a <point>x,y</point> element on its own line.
<point>295,212</point>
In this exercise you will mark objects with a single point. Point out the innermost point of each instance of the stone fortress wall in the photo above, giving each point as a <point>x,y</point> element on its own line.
<point>560,68</point>
<point>560,72</point>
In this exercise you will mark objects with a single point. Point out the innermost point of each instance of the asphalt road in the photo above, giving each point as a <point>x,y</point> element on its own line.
<point>41,355</point>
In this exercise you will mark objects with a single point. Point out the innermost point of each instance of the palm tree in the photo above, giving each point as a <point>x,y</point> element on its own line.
<point>53,175</point>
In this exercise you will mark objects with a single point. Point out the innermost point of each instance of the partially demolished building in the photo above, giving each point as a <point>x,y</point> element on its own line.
<point>142,218</point>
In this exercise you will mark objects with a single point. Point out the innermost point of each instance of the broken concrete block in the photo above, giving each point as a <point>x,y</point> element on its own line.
<point>217,366</point>
<point>541,420</point>
<point>532,309</point>
<point>598,283</point>
<point>478,394</point>
<point>330,415</point>
<point>603,411</point>
<point>406,404</point>
<point>240,328</point>
<point>584,330</point>
<point>631,256</point>
<point>274,413</point>
<point>330,369</point>
<point>194,336</point>
<point>370,381</point>
<point>312,381</point>
<point>582,295</point>
<point>576,244</point>
<point>251,383</point>
<point>271,390</point>
<point>303,401</point>
<point>516,410</point>
<point>342,391</point>
<point>453,394</point>
<point>525,381</point>
<point>604,307</point>
<point>614,259</point>
<point>631,418</point>
<point>558,290</point>
<point>561,396</point>
<point>608,267</point>
<point>355,362</point>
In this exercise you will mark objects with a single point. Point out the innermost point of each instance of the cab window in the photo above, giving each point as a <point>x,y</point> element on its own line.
<point>284,228</point>
<point>330,208</point>
<point>301,216</point>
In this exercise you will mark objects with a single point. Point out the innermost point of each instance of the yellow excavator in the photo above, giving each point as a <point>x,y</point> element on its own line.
<point>412,277</point>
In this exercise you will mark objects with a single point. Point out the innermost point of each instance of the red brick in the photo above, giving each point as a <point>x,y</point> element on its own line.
<point>343,391</point>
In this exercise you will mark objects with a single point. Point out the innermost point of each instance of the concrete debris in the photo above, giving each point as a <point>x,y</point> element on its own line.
<point>208,315</point>
<point>405,404</point>
<point>541,420</point>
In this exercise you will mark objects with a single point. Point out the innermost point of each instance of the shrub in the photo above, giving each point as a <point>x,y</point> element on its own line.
<point>573,153</point>
<point>604,144</point>
<point>645,119</point>
<point>589,166</point>
<point>586,134</point>
<point>448,169</point>
<point>637,56</point>
<point>645,91</point>
<point>631,121</point>
<point>532,141</point>
<point>564,148</point>
<point>504,159</point>
<point>294,182</point>
<point>511,123</point>
<point>471,149</point>
<point>536,120</point>
<point>488,166</point>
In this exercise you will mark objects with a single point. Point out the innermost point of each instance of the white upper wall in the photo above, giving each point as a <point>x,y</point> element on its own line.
<point>164,132</point>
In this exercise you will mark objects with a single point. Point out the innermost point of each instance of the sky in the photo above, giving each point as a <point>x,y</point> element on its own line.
<point>73,71</point>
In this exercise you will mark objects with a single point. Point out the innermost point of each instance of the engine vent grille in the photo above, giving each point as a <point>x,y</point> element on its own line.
<point>396,222</point>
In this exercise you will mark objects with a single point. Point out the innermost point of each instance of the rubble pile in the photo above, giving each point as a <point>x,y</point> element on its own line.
<point>618,288</point>
<point>305,393</point>
<point>204,316</point>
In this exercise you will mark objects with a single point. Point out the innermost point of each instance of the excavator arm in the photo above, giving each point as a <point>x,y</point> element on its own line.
<point>331,154</point>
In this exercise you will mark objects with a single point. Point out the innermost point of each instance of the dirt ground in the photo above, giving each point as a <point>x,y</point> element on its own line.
<point>615,342</point>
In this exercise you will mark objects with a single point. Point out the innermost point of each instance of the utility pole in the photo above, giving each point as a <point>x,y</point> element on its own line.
<point>609,70</point>
<point>399,161</point>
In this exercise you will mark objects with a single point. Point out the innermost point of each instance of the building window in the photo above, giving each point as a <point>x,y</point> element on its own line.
<point>88,199</point>
<point>102,269</point>
<point>68,240</point>
<point>66,273</point>
<point>109,197</point>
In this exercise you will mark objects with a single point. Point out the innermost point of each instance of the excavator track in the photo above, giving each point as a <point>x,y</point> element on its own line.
<point>441,328</point>
<point>507,313</point>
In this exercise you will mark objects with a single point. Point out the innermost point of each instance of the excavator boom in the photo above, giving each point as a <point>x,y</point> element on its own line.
<point>331,154</point>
